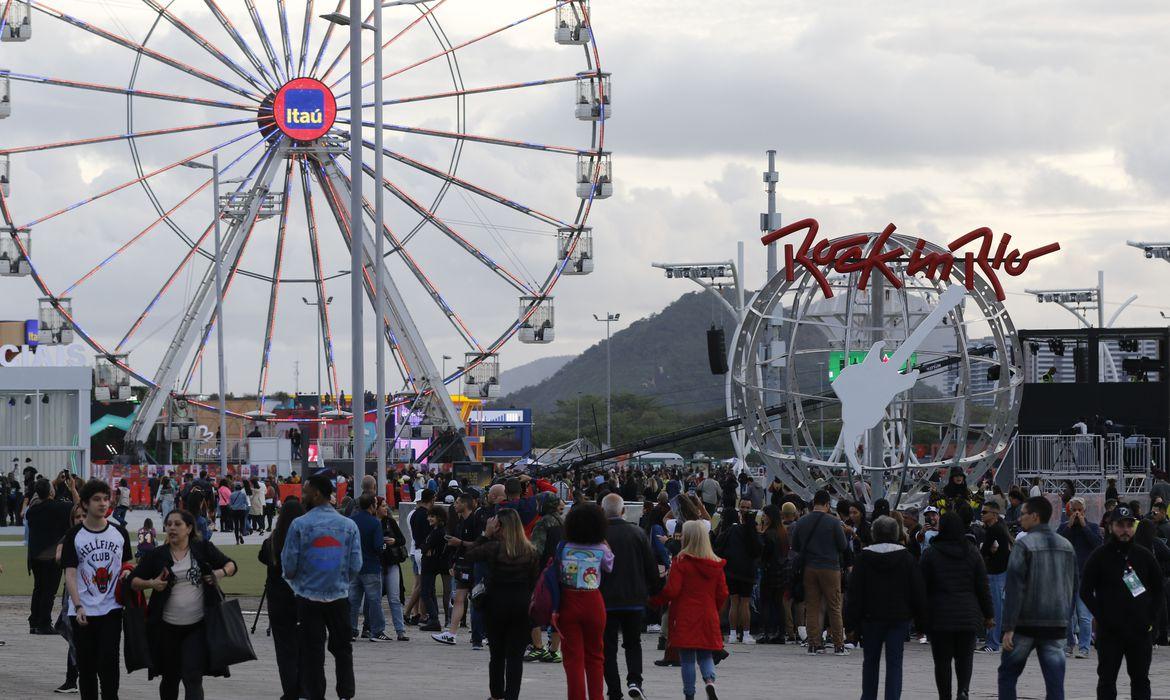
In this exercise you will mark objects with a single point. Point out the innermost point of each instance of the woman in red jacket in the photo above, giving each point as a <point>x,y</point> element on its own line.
<point>696,590</point>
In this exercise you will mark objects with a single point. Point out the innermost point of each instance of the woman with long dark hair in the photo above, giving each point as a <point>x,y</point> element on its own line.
<point>393,554</point>
<point>774,581</point>
<point>739,545</point>
<point>581,562</point>
<point>512,564</point>
<point>183,576</point>
<point>282,604</point>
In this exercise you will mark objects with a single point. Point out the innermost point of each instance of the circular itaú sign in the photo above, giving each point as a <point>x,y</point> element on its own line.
<point>304,109</point>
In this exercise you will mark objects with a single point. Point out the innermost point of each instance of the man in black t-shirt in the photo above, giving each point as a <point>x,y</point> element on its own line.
<point>92,555</point>
<point>996,548</point>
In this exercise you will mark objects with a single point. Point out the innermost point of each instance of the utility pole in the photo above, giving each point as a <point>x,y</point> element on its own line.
<point>297,375</point>
<point>358,405</point>
<point>379,236</point>
<point>610,318</point>
<point>771,220</point>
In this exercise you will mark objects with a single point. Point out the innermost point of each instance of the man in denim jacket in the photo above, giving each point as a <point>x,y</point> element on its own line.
<point>322,556</point>
<point>1041,582</point>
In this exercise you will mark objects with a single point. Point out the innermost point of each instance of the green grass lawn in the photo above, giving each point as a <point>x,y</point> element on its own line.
<point>249,581</point>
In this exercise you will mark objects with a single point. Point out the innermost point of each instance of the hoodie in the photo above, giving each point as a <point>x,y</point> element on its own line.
<point>885,587</point>
<point>696,589</point>
<point>958,597</point>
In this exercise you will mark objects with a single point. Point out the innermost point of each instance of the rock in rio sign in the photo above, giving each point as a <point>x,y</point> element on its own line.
<point>847,254</point>
<point>304,109</point>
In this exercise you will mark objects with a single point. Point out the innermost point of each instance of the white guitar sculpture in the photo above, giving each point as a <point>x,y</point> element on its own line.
<point>867,388</point>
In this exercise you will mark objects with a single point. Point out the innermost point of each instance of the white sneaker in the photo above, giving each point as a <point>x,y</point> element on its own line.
<point>923,640</point>
<point>748,638</point>
<point>802,633</point>
<point>444,638</point>
<point>731,638</point>
<point>653,629</point>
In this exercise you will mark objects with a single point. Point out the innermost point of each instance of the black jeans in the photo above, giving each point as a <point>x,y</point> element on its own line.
<point>46,581</point>
<point>319,620</point>
<point>183,658</point>
<point>1136,649</point>
<point>508,634</point>
<point>98,644</point>
<point>947,647</point>
<point>629,624</point>
<point>282,619</point>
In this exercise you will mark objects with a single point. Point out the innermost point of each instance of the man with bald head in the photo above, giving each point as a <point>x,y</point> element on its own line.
<point>625,590</point>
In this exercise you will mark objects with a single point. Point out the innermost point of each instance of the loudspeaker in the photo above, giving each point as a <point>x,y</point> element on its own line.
<point>1081,364</point>
<point>717,351</point>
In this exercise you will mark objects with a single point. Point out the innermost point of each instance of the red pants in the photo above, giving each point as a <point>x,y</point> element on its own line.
<point>582,625</point>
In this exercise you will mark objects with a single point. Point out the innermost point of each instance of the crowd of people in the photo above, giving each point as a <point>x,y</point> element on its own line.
<point>552,569</point>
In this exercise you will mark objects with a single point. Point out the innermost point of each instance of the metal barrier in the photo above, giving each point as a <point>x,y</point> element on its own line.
<point>1088,461</point>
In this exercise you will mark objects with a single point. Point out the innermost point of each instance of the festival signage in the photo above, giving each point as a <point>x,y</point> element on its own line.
<point>304,109</point>
<point>848,254</point>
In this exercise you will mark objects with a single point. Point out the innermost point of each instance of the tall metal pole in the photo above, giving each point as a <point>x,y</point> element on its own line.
<point>1100,299</point>
<point>379,336</point>
<point>219,319</point>
<point>770,222</point>
<point>358,405</point>
<point>608,383</point>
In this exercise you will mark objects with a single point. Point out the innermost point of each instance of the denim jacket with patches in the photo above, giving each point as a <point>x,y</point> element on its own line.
<point>322,554</point>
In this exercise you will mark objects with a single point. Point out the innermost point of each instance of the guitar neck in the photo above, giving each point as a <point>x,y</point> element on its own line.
<point>951,298</point>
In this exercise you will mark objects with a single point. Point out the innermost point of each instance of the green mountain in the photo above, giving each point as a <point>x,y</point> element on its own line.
<point>662,357</point>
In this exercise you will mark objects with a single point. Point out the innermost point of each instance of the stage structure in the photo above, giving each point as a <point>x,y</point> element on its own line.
<point>263,87</point>
<point>879,341</point>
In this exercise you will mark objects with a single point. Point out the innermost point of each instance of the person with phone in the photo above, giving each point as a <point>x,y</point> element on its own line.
<point>182,576</point>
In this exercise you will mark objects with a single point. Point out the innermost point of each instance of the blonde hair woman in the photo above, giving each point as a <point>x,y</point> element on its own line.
<point>696,589</point>
<point>513,566</point>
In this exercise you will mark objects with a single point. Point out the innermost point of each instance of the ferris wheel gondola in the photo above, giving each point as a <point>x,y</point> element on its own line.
<point>267,95</point>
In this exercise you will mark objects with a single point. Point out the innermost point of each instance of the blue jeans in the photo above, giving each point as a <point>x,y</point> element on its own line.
<point>1051,657</point>
<point>1080,626</point>
<point>874,636</point>
<point>995,634</point>
<point>688,658</point>
<point>391,586</point>
<point>370,586</point>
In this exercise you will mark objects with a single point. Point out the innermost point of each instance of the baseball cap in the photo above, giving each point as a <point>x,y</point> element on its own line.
<point>930,509</point>
<point>453,484</point>
<point>1121,513</point>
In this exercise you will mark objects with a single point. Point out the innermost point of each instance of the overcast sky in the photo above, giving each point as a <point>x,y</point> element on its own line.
<point>1041,119</point>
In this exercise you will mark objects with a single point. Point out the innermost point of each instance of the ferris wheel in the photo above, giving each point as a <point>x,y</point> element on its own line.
<point>494,132</point>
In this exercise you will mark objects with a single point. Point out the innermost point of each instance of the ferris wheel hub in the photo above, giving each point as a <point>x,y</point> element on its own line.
<point>304,109</point>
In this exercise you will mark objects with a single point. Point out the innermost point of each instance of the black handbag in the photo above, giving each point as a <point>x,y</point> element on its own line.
<point>228,642</point>
<point>135,645</point>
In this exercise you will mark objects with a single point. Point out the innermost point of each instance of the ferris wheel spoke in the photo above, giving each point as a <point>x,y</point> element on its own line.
<point>195,248</point>
<point>238,38</point>
<point>133,46</point>
<point>319,279</point>
<point>265,42</point>
<point>422,16</point>
<point>457,47</point>
<point>340,215</point>
<point>147,94</point>
<point>305,35</point>
<point>285,39</point>
<point>471,91</point>
<point>493,140</point>
<point>325,41</point>
<point>274,292</point>
<point>505,274</point>
<point>206,45</point>
<point>121,137</point>
<point>398,247</point>
<point>128,183</point>
<point>344,51</point>
<point>471,187</point>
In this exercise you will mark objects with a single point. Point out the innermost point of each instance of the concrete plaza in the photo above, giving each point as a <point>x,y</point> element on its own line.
<point>31,666</point>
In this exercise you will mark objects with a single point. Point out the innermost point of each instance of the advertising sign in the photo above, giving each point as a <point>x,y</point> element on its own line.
<point>304,109</point>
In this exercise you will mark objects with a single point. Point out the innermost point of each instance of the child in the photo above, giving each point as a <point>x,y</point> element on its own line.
<point>146,539</point>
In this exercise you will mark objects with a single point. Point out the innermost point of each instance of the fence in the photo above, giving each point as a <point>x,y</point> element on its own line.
<point>1088,461</point>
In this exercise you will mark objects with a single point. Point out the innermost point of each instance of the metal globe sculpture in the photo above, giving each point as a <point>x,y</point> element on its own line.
<point>870,383</point>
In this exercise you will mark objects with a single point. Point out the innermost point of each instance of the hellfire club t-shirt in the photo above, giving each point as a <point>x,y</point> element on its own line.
<point>98,557</point>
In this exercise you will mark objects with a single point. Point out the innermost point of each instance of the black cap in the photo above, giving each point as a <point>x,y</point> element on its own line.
<point>1121,513</point>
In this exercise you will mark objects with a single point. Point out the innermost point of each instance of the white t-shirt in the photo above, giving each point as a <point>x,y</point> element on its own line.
<point>98,558</point>
<point>673,526</point>
<point>185,606</point>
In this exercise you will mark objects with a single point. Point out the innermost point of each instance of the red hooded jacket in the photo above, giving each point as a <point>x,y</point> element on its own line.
<point>696,589</point>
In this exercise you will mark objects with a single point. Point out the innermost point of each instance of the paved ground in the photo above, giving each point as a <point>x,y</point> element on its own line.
<point>31,666</point>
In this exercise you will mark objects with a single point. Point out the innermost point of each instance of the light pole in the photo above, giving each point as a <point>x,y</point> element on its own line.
<point>578,415</point>
<point>445,358</point>
<point>320,350</point>
<point>610,318</point>
<point>217,212</point>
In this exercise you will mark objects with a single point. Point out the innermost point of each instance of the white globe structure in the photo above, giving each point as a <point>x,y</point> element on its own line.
<point>795,342</point>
